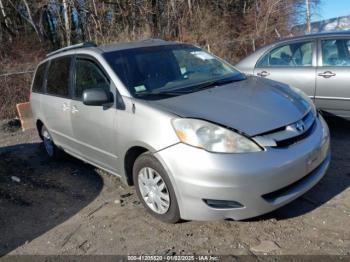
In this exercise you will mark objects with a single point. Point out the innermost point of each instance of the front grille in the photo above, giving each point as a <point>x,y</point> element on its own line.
<point>290,134</point>
<point>296,139</point>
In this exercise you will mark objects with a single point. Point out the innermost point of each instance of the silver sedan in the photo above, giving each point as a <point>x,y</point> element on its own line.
<point>318,64</point>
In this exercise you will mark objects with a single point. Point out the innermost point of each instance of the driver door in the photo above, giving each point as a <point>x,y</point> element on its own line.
<point>93,126</point>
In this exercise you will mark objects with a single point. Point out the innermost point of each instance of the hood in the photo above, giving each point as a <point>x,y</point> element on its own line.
<point>252,106</point>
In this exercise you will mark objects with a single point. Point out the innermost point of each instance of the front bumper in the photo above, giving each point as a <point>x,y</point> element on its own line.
<point>261,181</point>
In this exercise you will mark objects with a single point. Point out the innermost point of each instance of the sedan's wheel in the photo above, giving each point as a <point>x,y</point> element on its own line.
<point>50,148</point>
<point>154,189</point>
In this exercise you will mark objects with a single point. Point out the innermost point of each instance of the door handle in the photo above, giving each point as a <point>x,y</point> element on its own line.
<point>75,110</point>
<point>263,73</point>
<point>65,107</point>
<point>327,74</point>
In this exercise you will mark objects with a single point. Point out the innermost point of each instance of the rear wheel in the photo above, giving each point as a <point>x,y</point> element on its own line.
<point>154,189</point>
<point>51,149</point>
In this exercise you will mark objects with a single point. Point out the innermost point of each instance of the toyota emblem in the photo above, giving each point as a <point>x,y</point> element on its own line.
<point>300,126</point>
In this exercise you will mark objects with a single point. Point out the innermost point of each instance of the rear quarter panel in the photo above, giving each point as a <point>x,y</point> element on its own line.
<point>35,103</point>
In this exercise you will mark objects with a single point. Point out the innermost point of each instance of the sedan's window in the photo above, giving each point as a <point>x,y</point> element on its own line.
<point>58,77</point>
<point>291,55</point>
<point>162,69</point>
<point>336,52</point>
<point>38,83</point>
<point>89,75</point>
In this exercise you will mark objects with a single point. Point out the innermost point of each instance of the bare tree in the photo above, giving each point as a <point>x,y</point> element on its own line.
<point>30,19</point>
<point>232,28</point>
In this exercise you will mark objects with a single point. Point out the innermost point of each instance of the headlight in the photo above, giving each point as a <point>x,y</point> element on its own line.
<point>212,137</point>
<point>306,98</point>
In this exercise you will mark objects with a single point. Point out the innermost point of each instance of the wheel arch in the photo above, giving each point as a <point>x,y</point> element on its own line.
<point>129,160</point>
<point>39,124</point>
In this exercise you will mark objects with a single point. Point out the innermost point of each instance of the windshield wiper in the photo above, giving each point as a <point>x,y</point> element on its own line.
<point>213,84</point>
<point>188,89</point>
<point>161,92</point>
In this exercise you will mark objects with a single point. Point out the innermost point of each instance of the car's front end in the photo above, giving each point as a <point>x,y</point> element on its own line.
<point>242,185</point>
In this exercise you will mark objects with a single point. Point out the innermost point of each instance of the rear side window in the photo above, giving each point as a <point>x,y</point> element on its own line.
<point>291,55</point>
<point>58,77</point>
<point>336,52</point>
<point>38,83</point>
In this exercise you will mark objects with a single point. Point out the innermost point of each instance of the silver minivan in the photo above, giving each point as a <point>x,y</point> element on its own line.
<point>197,138</point>
<point>318,64</point>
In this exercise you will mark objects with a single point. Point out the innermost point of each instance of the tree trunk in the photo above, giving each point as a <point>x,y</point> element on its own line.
<point>31,21</point>
<point>308,22</point>
<point>3,13</point>
<point>6,19</point>
<point>189,2</point>
<point>66,21</point>
<point>154,18</point>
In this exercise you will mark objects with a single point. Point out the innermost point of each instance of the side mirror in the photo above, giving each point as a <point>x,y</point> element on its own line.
<point>97,97</point>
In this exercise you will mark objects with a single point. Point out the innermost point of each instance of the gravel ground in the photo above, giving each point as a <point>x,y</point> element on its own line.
<point>68,207</point>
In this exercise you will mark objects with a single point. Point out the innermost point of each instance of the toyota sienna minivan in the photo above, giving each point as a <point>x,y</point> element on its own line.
<point>198,139</point>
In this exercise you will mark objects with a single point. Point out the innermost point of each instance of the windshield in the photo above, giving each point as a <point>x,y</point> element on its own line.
<point>161,69</point>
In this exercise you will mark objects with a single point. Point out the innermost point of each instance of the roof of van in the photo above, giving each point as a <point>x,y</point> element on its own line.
<point>112,47</point>
<point>135,44</point>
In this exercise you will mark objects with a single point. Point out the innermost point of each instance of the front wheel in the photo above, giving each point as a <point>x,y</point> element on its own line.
<point>154,189</point>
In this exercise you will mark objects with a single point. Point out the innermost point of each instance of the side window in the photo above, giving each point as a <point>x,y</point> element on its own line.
<point>89,75</point>
<point>39,79</point>
<point>335,52</point>
<point>58,77</point>
<point>296,54</point>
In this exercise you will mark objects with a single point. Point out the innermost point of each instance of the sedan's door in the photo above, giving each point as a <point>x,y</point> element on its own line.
<point>333,76</point>
<point>93,126</point>
<point>291,63</point>
<point>56,103</point>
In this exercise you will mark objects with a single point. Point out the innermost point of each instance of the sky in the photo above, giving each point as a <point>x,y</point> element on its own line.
<point>330,9</point>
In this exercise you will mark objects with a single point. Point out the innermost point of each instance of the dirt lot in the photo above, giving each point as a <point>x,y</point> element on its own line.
<point>69,207</point>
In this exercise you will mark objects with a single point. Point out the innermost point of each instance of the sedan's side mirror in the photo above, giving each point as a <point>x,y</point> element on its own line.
<point>97,97</point>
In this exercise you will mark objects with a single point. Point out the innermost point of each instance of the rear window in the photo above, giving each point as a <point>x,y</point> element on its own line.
<point>58,77</point>
<point>39,79</point>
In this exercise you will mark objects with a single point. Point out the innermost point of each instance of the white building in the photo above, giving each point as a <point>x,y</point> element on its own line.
<point>333,24</point>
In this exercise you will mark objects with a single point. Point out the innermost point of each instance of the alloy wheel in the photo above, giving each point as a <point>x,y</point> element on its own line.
<point>154,190</point>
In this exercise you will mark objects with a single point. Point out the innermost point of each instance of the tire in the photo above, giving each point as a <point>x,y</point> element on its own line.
<point>51,149</point>
<point>152,192</point>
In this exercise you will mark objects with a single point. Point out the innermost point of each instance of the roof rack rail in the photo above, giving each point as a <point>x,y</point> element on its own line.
<point>81,45</point>
<point>153,40</point>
